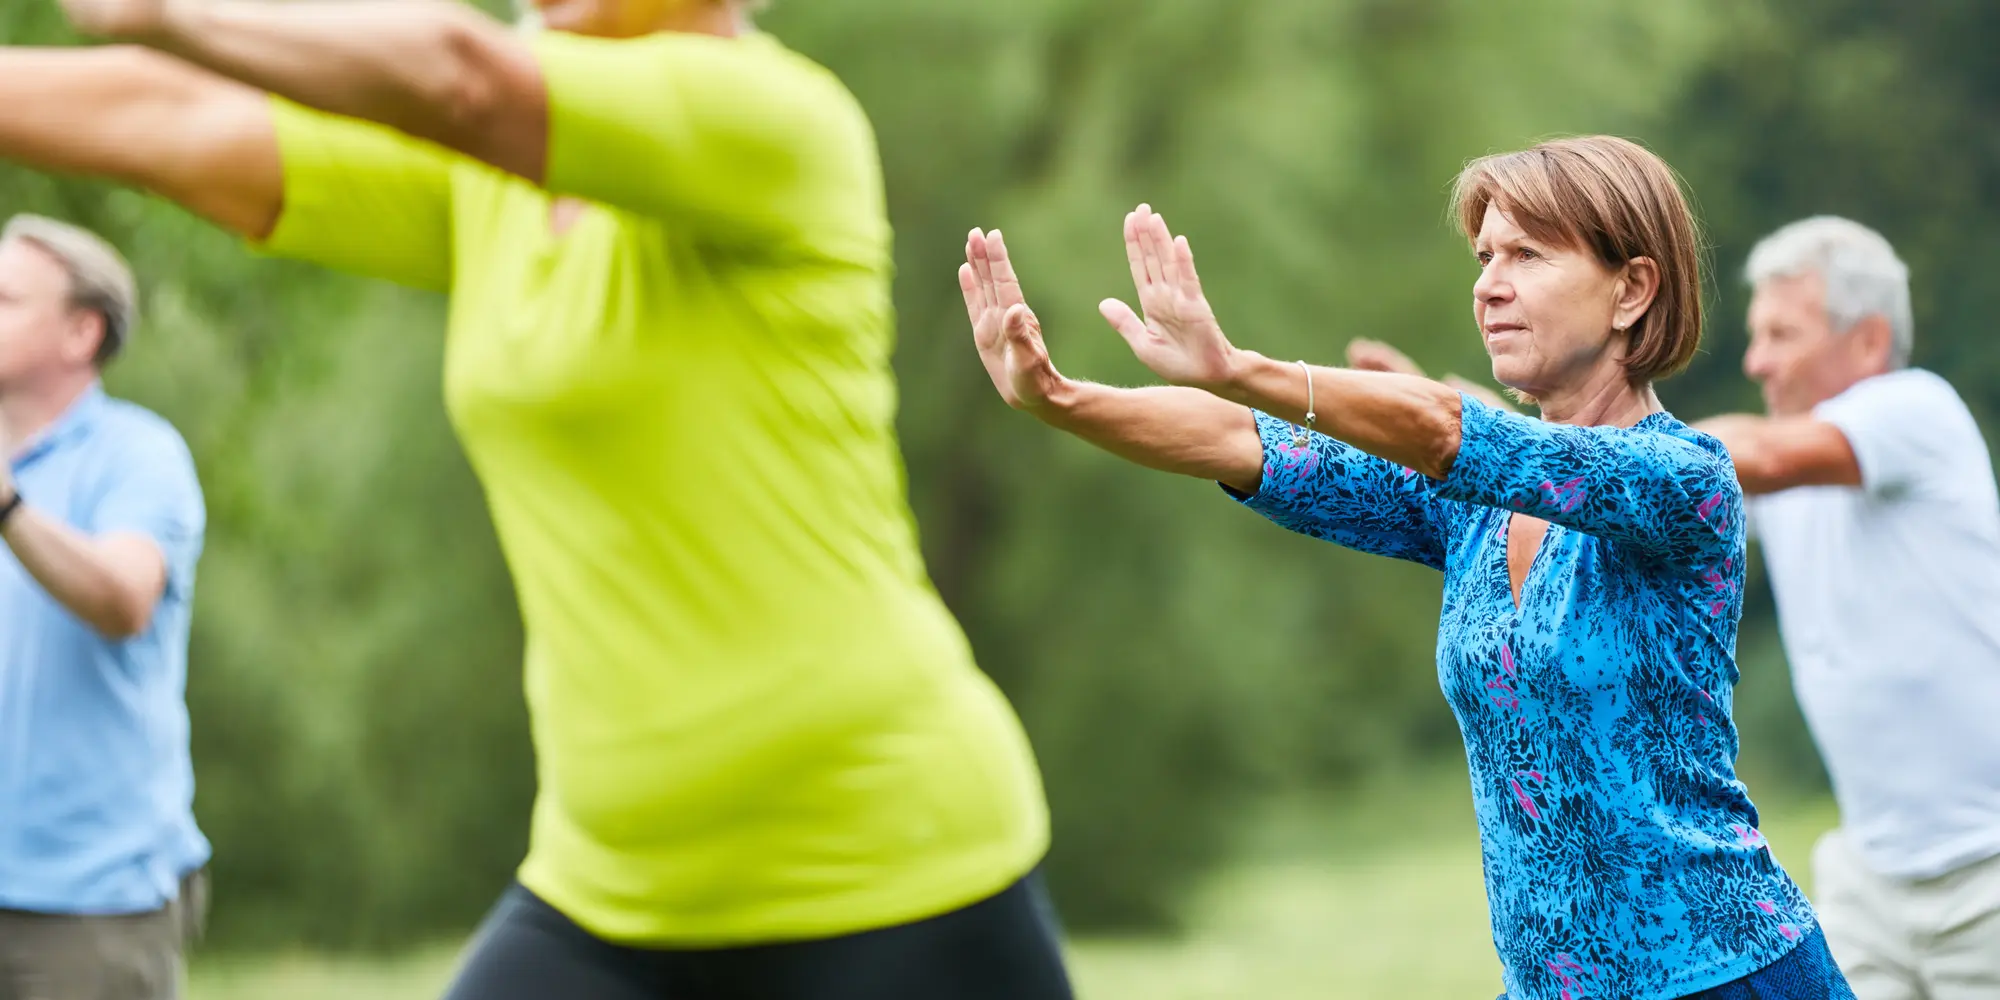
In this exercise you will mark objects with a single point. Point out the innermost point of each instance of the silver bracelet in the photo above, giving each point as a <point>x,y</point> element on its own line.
<point>1299,439</point>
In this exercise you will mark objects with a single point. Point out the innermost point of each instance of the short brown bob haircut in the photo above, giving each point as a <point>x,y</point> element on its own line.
<point>1614,198</point>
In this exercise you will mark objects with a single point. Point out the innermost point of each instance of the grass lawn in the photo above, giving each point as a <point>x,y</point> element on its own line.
<point>1383,902</point>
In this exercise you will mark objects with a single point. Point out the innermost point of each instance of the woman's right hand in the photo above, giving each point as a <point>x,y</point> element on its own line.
<point>1005,330</point>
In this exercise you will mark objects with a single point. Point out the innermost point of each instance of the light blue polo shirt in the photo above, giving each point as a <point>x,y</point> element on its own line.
<point>96,781</point>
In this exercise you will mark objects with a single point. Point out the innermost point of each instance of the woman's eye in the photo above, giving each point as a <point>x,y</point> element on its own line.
<point>1484,258</point>
<point>1528,253</point>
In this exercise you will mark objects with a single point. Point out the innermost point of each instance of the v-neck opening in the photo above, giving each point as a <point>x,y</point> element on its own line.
<point>1519,598</point>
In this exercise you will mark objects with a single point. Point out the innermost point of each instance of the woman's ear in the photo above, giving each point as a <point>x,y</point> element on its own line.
<point>1636,289</point>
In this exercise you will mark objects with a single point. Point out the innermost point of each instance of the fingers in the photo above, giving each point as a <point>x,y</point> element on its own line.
<point>1376,356</point>
<point>1368,355</point>
<point>982,266</point>
<point>1184,262</point>
<point>1125,321</point>
<point>1134,252</point>
<point>1024,337</point>
<point>968,282</point>
<point>1157,255</point>
<point>1006,287</point>
<point>1149,245</point>
<point>1160,245</point>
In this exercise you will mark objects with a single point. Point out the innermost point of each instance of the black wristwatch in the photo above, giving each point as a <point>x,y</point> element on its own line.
<point>9,506</point>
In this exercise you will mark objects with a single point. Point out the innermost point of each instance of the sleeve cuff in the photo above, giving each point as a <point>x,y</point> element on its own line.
<point>304,155</point>
<point>1476,431</point>
<point>1287,464</point>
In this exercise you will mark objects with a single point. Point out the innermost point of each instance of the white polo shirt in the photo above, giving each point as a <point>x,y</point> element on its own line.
<point>1889,604</point>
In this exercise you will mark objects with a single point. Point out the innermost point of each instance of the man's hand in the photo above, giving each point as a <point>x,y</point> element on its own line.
<point>136,20</point>
<point>1004,329</point>
<point>1375,356</point>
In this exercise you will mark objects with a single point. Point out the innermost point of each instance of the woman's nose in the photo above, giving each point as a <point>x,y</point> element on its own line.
<point>1491,286</point>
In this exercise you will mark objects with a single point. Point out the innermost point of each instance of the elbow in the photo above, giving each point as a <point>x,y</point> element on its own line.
<point>464,90</point>
<point>1439,441</point>
<point>122,621</point>
<point>487,95</point>
<point>126,612</point>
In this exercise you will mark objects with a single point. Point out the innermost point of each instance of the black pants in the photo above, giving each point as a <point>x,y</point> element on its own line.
<point>1003,948</point>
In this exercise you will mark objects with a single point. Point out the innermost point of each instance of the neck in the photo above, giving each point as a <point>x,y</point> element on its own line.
<point>1607,398</point>
<point>26,412</point>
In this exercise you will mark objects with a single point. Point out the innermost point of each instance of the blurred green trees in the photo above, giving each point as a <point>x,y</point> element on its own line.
<point>363,762</point>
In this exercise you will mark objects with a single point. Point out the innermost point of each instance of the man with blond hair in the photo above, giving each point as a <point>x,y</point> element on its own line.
<point>101,521</point>
<point>1874,501</point>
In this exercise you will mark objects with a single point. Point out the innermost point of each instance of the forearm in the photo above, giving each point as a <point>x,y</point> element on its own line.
<point>1184,431</point>
<point>1406,419</point>
<point>112,588</point>
<point>1773,454</point>
<point>437,70</point>
<point>147,120</point>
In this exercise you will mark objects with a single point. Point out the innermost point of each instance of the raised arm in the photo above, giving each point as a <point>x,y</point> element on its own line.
<point>435,70</point>
<point>139,540</point>
<point>1405,419</point>
<point>147,120</point>
<point>736,139</point>
<point>1670,497</point>
<point>1308,483</point>
<point>1776,454</point>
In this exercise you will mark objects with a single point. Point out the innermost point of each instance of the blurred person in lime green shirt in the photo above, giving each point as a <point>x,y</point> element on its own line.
<point>768,766</point>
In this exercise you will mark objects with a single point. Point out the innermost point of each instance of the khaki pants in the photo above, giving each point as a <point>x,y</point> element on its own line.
<point>1937,939</point>
<point>137,957</point>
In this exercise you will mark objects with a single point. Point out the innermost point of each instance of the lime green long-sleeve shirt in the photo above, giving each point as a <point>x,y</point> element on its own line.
<point>754,718</point>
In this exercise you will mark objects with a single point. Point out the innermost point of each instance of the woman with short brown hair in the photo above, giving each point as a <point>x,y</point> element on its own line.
<point>1593,559</point>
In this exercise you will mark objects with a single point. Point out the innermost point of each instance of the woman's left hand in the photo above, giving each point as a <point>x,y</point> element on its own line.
<point>1179,338</point>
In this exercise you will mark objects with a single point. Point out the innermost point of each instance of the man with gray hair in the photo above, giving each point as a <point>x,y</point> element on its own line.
<point>101,522</point>
<point>1874,501</point>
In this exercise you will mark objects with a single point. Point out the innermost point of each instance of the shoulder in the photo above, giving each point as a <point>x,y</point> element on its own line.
<point>1680,444</point>
<point>137,442</point>
<point>1907,416</point>
<point>140,429</point>
<point>738,70</point>
<point>1911,390</point>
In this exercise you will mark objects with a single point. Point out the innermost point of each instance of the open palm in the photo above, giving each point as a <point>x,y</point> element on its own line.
<point>1179,338</point>
<point>1004,329</point>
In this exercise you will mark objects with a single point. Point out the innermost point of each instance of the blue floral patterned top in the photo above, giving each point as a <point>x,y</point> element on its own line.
<point>1622,856</point>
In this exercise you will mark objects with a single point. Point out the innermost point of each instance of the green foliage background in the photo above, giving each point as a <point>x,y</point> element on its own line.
<point>363,763</point>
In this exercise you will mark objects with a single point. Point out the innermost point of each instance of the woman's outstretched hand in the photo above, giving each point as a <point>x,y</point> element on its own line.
<point>1005,330</point>
<point>1178,338</point>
